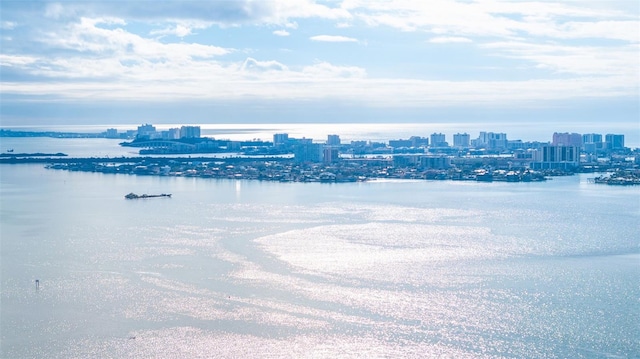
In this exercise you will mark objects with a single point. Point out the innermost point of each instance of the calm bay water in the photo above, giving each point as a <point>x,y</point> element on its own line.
<point>259,269</point>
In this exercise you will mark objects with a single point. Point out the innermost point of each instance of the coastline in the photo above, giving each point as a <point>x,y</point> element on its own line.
<point>287,170</point>
<point>260,160</point>
<point>284,169</point>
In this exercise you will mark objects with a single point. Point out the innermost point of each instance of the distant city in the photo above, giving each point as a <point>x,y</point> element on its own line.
<point>490,155</point>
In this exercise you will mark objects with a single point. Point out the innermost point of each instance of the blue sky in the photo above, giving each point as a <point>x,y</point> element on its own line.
<point>562,64</point>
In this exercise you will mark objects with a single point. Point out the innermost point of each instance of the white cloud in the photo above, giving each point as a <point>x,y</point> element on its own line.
<point>19,61</point>
<point>505,19</point>
<point>8,25</point>
<point>181,28</point>
<point>333,38</point>
<point>327,70</point>
<point>281,11</point>
<point>222,13</point>
<point>577,60</point>
<point>542,33</point>
<point>281,33</point>
<point>177,30</point>
<point>86,36</point>
<point>456,18</point>
<point>101,58</point>
<point>617,30</point>
<point>449,39</point>
<point>253,65</point>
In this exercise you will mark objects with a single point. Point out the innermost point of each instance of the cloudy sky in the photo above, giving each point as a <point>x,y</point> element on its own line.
<point>552,62</point>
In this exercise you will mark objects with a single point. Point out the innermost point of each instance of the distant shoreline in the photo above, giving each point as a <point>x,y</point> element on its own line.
<point>30,155</point>
<point>52,134</point>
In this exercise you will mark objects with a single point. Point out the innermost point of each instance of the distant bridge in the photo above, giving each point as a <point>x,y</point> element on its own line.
<point>163,144</point>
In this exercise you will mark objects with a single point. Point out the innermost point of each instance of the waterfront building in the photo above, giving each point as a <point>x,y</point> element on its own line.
<point>170,134</point>
<point>400,143</point>
<point>190,132</point>
<point>330,154</point>
<point>591,138</point>
<point>146,131</point>
<point>438,140</point>
<point>566,139</point>
<point>461,140</point>
<point>491,141</point>
<point>307,152</point>
<point>111,133</point>
<point>592,142</point>
<point>414,142</point>
<point>556,157</point>
<point>417,141</point>
<point>435,162</point>
<point>422,161</point>
<point>400,161</point>
<point>333,140</point>
<point>614,142</point>
<point>280,139</point>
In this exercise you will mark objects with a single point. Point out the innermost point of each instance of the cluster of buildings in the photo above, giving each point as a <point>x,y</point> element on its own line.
<point>149,132</point>
<point>566,151</point>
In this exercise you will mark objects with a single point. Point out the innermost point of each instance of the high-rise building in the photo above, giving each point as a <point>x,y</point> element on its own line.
<point>556,157</point>
<point>112,133</point>
<point>591,138</point>
<point>280,139</point>
<point>190,132</point>
<point>146,131</point>
<point>566,139</point>
<point>308,152</point>
<point>417,141</point>
<point>614,142</point>
<point>491,140</point>
<point>330,154</point>
<point>333,140</point>
<point>438,140</point>
<point>591,142</point>
<point>171,134</point>
<point>461,140</point>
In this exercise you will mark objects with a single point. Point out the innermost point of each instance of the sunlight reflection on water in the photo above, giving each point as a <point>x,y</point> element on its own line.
<point>396,269</point>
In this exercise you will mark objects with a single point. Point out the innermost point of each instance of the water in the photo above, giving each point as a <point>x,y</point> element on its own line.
<point>234,269</point>
<point>72,147</point>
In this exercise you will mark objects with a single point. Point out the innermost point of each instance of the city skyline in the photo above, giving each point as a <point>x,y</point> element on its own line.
<point>588,141</point>
<point>543,64</point>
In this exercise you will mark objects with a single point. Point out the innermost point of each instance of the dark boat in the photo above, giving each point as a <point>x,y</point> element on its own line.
<point>136,196</point>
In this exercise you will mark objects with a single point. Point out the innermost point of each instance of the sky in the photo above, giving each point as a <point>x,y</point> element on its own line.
<point>562,65</point>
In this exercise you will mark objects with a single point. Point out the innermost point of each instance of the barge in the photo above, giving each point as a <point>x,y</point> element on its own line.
<point>136,196</point>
